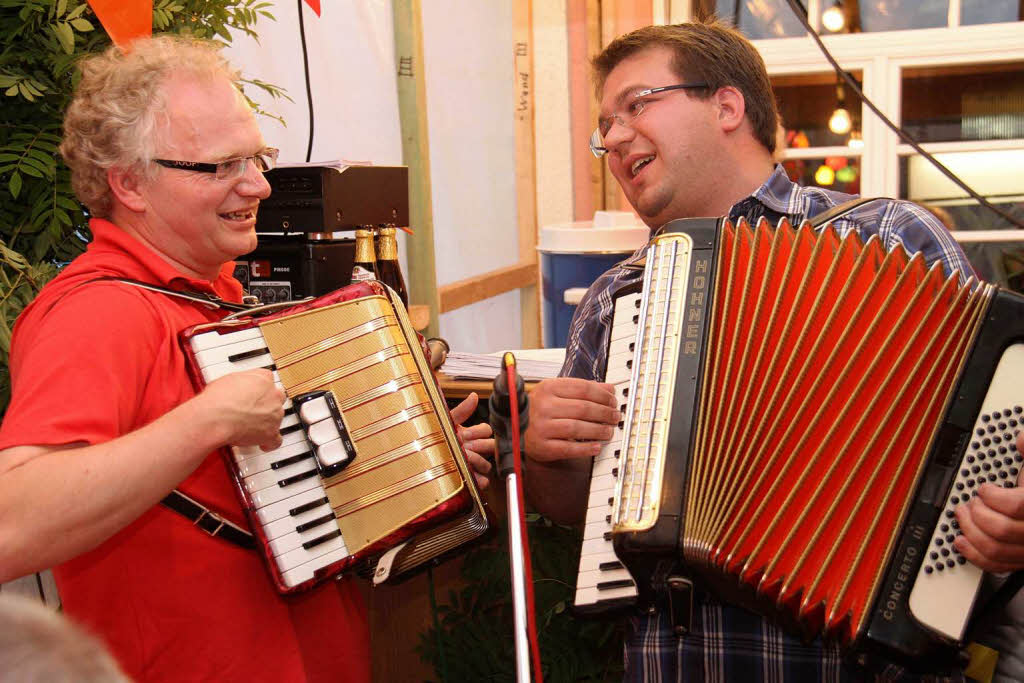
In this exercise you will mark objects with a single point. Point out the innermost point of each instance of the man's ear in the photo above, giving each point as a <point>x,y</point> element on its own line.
<point>125,185</point>
<point>731,107</point>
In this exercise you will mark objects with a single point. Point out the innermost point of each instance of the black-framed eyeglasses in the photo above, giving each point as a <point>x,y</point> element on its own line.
<point>230,169</point>
<point>634,108</point>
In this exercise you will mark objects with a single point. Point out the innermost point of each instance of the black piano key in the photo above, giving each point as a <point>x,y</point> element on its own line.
<point>291,461</point>
<point>613,564</point>
<point>620,583</point>
<point>321,539</point>
<point>315,522</point>
<point>245,355</point>
<point>297,478</point>
<point>291,428</point>
<point>308,506</point>
<point>607,535</point>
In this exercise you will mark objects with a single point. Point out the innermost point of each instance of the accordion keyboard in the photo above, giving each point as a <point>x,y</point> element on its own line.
<point>284,485</point>
<point>601,578</point>
<point>946,585</point>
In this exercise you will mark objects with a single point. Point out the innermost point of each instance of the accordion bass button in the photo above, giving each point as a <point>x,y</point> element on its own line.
<point>315,410</point>
<point>332,453</point>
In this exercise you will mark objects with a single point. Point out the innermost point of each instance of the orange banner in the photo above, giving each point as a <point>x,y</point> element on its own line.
<point>124,20</point>
<point>315,5</point>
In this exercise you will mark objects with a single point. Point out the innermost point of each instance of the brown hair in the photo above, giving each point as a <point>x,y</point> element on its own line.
<point>711,52</point>
<point>118,112</point>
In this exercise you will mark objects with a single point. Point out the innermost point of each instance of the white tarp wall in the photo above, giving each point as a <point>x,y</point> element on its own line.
<point>468,49</point>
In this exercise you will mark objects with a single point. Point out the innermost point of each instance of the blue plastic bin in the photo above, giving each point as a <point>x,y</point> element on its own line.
<point>572,256</point>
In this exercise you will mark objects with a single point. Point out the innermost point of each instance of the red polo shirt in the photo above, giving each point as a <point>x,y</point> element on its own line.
<point>92,362</point>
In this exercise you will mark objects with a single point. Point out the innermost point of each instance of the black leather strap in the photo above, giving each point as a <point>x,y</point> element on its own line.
<point>209,521</point>
<point>841,210</point>
<point>199,297</point>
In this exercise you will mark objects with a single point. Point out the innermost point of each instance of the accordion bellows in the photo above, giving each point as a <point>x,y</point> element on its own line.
<point>810,400</point>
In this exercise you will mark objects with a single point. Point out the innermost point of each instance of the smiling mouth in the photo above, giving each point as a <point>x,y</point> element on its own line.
<point>639,164</point>
<point>240,215</point>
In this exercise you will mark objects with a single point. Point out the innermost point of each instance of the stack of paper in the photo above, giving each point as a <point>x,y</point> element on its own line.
<point>533,364</point>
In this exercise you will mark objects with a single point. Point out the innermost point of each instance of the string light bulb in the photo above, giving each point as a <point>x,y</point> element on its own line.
<point>833,18</point>
<point>856,141</point>
<point>840,122</point>
<point>824,176</point>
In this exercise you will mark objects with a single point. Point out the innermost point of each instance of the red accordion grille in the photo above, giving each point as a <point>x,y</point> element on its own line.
<point>830,362</point>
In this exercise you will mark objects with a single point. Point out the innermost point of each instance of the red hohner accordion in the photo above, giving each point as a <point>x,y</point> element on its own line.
<point>802,415</point>
<point>370,473</point>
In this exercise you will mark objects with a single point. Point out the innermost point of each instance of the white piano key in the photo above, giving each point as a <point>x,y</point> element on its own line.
<point>223,354</point>
<point>289,441</point>
<point>604,467</point>
<point>273,478</point>
<point>294,558</point>
<point>209,340</point>
<point>592,596</point>
<point>598,546</point>
<point>305,572</point>
<point>294,540</point>
<point>600,494</point>
<point>281,509</point>
<point>594,577</point>
<point>273,494</point>
<point>264,461</point>
<point>592,563</point>
<point>596,529</point>
<point>289,523</point>
<point>218,370</point>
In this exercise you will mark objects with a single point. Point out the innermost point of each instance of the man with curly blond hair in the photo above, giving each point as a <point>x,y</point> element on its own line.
<point>103,422</point>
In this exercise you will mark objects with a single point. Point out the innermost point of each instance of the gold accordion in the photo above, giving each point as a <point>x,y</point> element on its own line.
<point>370,473</point>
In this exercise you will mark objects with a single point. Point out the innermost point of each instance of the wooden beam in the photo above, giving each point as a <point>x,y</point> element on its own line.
<point>486,285</point>
<point>412,107</point>
<point>526,175</point>
<point>584,20</point>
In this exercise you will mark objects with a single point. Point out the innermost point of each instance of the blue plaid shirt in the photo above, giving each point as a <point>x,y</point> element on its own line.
<point>728,643</point>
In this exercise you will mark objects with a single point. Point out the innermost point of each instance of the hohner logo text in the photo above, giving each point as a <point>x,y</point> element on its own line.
<point>695,305</point>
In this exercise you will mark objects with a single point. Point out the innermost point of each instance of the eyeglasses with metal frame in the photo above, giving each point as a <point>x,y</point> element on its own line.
<point>633,110</point>
<point>229,169</point>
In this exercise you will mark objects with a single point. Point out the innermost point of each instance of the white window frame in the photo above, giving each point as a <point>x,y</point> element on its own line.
<point>881,58</point>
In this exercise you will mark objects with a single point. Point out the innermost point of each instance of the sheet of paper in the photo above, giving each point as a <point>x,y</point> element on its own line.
<point>532,364</point>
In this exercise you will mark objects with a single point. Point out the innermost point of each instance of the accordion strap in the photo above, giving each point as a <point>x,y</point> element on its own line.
<point>209,521</point>
<point>840,210</point>
<point>210,300</point>
<point>201,516</point>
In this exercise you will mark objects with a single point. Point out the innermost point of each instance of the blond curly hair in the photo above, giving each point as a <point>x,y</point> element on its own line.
<point>118,112</point>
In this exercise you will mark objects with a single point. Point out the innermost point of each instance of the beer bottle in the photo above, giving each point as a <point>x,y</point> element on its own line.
<point>388,270</point>
<point>365,266</point>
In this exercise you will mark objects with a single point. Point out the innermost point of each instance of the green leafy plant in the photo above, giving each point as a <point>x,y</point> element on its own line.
<point>475,640</point>
<point>42,225</point>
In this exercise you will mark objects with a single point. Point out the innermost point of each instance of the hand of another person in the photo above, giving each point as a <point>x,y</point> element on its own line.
<point>993,525</point>
<point>250,406</point>
<point>475,440</point>
<point>570,418</point>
